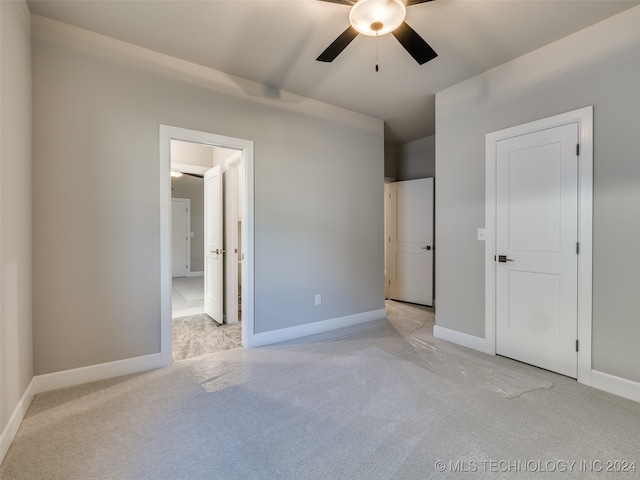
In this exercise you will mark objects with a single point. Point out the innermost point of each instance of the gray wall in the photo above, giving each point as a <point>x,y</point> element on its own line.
<point>96,231</point>
<point>599,66</point>
<point>391,155</point>
<point>16,356</point>
<point>193,189</point>
<point>417,159</point>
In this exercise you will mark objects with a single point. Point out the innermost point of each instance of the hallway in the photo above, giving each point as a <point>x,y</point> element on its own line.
<point>193,332</point>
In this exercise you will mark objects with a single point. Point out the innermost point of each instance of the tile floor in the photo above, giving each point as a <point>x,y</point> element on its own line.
<point>187,296</point>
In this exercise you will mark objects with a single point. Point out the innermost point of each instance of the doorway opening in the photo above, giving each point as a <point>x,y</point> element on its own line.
<point>207,287</point>
<point>409,216</point>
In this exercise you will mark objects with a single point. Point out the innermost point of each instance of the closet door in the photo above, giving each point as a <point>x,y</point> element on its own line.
<point>411,241</point>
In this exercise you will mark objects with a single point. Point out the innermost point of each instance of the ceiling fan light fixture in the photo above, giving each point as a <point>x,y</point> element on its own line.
<point>377,17</point>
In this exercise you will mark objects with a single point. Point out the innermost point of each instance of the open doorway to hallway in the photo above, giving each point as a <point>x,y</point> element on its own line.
<point>206,239</point>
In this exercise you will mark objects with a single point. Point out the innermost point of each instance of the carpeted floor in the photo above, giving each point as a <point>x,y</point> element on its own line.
<point>389,402</point>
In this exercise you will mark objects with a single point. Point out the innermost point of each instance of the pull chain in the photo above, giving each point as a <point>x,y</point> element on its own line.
<point>377,40</point>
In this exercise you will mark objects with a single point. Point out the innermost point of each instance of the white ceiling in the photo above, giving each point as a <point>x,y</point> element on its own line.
<point>276,42</point>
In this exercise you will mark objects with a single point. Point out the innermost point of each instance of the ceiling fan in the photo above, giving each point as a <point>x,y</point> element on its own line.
<point>176,174</point>
<point>376,18</point>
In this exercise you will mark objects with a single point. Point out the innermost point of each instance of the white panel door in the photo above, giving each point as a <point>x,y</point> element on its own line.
<point>179,237</point>
<point>536,243</point>
<point>213,246</point>
<point>411,241</point>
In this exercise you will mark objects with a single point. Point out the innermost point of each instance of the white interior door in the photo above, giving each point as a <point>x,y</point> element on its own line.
<point>213,238</point>
<point>232,241</point>
<point>536,244</point>
<point>411,241</point>
<point>179,237</point>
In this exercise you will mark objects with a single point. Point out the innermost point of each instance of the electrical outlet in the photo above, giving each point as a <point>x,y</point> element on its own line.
<point>482,234</point>
<point>318,299</point>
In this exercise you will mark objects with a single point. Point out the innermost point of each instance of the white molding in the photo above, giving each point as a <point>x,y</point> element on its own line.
<point>464,339</point>
<point>93,373</point>
<point>616,385</point>
<point>584,118</point>
<point>11,428</point>
<point>233,160</point>
<point>70,378</point>
<point>195,274</point>
<point>299,331</point>
<point>166,134</point>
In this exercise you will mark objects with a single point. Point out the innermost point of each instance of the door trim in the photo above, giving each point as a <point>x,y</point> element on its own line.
<point>232,213</point>
<point>166,134</point>
<point>584,118</point>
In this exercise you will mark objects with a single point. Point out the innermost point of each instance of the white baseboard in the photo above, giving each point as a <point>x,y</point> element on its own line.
<point>616,385</point>
<point>93,373</point>
<point>10,430</point>
<point>291,333</point>
<point>600,380</point>
<point>195,274</point>
<point>69,378</point>
<point>464,339</point>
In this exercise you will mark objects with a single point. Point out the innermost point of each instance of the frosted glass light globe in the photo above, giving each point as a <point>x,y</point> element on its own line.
<point>377,17</point>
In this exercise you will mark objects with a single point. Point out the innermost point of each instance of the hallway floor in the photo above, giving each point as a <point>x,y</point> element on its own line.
<point>193,332</point>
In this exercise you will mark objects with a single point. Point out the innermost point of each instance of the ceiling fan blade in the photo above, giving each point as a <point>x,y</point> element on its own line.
<point>414,44</point>
<point>193,175</point>
<point>338,45</point>
<point>348,2</point>
<point>408,3</point>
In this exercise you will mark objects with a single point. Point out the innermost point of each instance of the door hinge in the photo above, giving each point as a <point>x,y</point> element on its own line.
<point>577,345</point>
<point>577,149</point>
<point>577,248</point>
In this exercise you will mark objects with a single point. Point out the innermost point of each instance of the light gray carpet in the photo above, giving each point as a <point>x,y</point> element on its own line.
<point>388,403</point>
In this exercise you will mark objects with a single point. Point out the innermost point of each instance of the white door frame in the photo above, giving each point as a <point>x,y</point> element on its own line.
<point>231,244</point>
<point>584,118</point>
<point>387,239</point>
<point>168,133</point>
